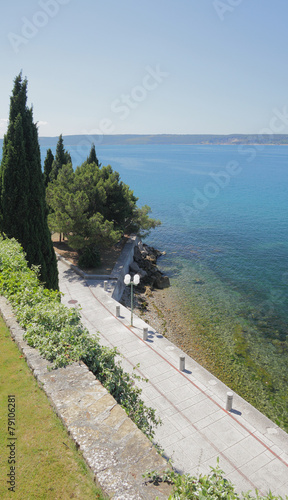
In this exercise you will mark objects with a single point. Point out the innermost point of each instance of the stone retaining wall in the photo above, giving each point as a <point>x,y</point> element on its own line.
<point>117,452</point>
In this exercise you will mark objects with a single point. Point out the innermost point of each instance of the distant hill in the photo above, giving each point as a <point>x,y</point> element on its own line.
<point>130,139</point>
<point>127,139</point>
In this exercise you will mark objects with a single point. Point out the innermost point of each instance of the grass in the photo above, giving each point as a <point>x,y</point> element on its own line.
<point>48,465</point>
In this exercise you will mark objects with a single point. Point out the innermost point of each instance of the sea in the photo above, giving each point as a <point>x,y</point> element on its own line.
<point>224,215</point>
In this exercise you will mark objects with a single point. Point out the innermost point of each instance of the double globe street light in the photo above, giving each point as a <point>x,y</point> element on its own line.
<point>135,281</point>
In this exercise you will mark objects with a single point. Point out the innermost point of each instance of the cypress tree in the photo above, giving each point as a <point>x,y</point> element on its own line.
<point>60,153</point>
<point>62,158</point>
<point>48,162</point>
<point>92,158</point>
<point>22,194</point>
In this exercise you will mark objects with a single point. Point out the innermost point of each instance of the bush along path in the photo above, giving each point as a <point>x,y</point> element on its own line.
<point>212,486</point>
<point>56,331</point>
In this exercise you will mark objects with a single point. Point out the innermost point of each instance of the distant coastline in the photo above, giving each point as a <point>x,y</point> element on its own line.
<point>171,139</point>
<point>168,139</point>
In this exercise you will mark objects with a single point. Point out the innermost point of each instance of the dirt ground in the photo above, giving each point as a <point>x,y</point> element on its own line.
<point>109,256</point>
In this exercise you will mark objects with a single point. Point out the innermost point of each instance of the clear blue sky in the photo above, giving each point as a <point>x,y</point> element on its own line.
<point>147,67</point>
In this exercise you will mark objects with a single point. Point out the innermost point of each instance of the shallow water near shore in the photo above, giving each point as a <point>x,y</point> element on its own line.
<point>224,213</point>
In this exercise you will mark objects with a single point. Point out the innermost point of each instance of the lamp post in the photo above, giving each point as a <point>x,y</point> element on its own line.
<point>135,281</point>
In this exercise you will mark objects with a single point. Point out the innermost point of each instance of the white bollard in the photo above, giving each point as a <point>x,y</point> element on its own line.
<point>145,333</point>
<point>105,286</point>
<point>182,363</point>
<point>117,311</point>
<point>229,401</point>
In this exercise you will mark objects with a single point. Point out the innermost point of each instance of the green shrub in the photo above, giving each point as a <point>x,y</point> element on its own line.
<point>90,258</point>
<point>57,332</point>
<point>212,486</point>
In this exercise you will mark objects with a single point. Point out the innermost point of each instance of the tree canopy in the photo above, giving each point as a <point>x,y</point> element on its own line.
<point>23,210</point>
<point>93,207</point>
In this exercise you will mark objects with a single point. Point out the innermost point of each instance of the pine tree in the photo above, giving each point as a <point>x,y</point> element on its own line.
<point>48,162</point>
<point>22,195</point>
<point>92,158</point>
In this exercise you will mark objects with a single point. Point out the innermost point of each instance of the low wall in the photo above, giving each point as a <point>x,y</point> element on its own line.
<point>117,452</point>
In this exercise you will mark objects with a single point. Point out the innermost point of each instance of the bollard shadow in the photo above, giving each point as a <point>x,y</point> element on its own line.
<point>153,334</point>
<point>236,412</point>
<point>150,337</point>
<point>187,371</point>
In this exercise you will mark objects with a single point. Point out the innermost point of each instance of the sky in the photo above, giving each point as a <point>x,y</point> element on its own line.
<point>153,67</point>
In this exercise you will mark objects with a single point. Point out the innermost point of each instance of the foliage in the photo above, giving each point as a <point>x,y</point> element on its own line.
<point>71,214</point>
<point>141,223</point>
<point>62,158</point>
<point>212,486</point>
<point>22,194</point>
<point>90,258</point>
<point>57,332</point>
<point>92,158</point>
<point>48,163</point>
<point>93,206</point>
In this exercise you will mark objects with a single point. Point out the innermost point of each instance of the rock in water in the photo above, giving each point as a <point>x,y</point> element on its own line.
<point>162,282</point>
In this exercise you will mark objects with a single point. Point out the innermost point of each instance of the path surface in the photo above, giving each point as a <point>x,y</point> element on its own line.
<point>196,428</point>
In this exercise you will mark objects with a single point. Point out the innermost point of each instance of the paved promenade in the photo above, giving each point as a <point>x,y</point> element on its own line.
<point>196,428</point>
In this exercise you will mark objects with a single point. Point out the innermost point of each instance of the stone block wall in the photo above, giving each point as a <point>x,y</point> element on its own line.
<point>117,452</point>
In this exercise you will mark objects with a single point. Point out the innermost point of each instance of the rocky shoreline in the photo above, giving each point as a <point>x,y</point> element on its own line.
<point>153,300</point>
<point>146,304</point>
<point>145,264</point>
<point>159,306</point>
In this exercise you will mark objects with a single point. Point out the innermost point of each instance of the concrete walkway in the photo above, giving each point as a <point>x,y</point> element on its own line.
<point>196,428</point>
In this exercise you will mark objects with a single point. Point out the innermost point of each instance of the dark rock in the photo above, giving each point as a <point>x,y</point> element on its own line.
<point>134,268</point>
<point>199,282</point>
<point>138,257</point>
<point>145,260</point>
<point>153,251</point>
<point>162,282</point>
<point>143,249</point>
<point>151,258</point>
